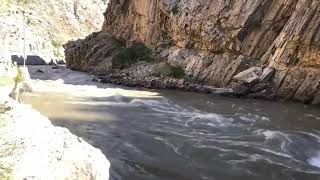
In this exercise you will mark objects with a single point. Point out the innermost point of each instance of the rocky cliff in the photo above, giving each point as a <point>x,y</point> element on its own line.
<point>48,24</point>
<point>32,148</point>
<point>273,44</point>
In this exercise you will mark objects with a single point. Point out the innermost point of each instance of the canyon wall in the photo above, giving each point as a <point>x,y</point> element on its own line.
<point>213,41</point>
<point>48,25</point>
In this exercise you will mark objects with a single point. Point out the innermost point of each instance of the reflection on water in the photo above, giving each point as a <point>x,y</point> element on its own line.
<point>170,135</point>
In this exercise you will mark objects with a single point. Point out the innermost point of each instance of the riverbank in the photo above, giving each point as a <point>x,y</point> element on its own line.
<point>170,68</point>
<point>32,148</point>
<point>145,75</point>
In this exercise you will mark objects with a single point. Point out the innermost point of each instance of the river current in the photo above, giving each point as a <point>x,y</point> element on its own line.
<point>172,135</point>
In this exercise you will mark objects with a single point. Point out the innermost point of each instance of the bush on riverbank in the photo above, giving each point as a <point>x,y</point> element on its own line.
<point>167,70</point>
<point>128,56</point>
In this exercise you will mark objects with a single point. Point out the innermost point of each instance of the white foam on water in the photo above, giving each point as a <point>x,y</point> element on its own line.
<point>93,103</point>
<point>276,153</point>
<point>190,116</point>
<point>59,86</point>
<point>244,118</point>
<point>270,134</point>
<point>315,160</point>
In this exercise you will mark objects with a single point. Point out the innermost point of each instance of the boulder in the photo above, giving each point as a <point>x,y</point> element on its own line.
<point>92,54</point>
<point>259,87</point>
<point>240,90</point>
<point>31,60</point>
<point>250,76</point>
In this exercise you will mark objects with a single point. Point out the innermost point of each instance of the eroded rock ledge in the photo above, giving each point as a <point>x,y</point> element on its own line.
<point>32,148</point>
<point>213,41</point>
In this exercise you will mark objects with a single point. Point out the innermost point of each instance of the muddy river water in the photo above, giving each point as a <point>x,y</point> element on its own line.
<point>171,135</point>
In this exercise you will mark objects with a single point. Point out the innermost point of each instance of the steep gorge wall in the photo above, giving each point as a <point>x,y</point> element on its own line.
<point>48,25</point>
<point>215,40</point>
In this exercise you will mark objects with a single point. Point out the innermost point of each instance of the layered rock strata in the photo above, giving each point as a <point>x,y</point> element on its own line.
<point>213,41</point>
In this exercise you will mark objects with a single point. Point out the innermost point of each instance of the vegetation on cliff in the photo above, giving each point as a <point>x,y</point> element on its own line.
<point>167,70</point>
<point>127,56</point>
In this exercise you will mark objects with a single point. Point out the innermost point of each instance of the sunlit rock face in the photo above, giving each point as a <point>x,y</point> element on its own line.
<point>32,148</point>
<point>215,40</point>
<point>48,25</point>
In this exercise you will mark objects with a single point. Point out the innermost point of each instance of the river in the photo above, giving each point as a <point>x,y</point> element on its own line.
<point>172,135</point>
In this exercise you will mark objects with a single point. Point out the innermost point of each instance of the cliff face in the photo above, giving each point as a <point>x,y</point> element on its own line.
<point>49,24</point>
<point>215,40</point>
<point>32,148</point>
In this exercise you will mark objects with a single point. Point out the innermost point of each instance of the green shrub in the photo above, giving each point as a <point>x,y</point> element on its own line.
<point>168,70</point>
<point>177,72</point>
<point>127,56</point>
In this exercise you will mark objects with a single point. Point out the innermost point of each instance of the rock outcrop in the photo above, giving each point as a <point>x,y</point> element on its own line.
<point>48,25</point>
<point>213,41</point>
<point>91,55</point>
<point>32,148</point>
